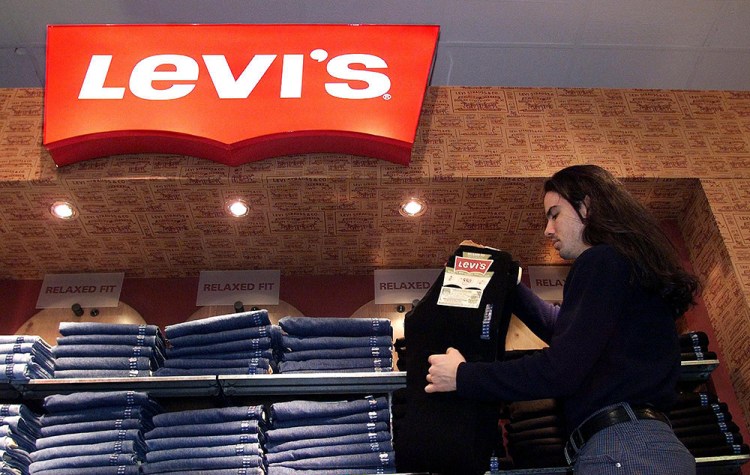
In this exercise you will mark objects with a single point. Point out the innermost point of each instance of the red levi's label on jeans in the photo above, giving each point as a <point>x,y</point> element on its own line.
<point>235,93</point>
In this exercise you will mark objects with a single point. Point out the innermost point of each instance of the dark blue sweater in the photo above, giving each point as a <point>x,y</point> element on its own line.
<point>610,341</point>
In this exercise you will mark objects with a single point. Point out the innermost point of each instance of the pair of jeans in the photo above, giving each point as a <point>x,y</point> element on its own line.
<point>81,438</point>
<point>100,413</point>
<point>100,328</point>
<point>104,362</point>
<point>221,471</point>
<point>106,339</point>
<point>219,428</point>
<point>219,323</point>
<point>208,463</point>
<point>102,373</point>
<point>382,415</point>
<point>293,343</point>
<point>366,460</point>
<point>184,363</point>
<point>100,470</point>
<point>238,334</point>
<point>332,326</point>
<point>136,447</point>
<point>196,441</point>
<point>278,470</point>
<point>204,452</point>
<point>329,451</point>
<point>210,371</point>
<point>20,425</point>
<point>355,438</point>
<point>253,344</point>
<point>23,372</point>
<point>14,439</point>
<point>210,416</point>
<point>77,351</point>
<point>300,409</point>
<point>266,353</point>
<point>384,364</point>
<point>352,352</point>
<point>278,436</point>
<point>74,460</point>
<point>46,364</point>
<point>93,426</point>
<point>77,401</point>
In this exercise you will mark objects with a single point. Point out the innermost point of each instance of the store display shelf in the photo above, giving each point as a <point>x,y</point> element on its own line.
<point>312,383</point>
<point>173,386</point>
<point>698,370</point>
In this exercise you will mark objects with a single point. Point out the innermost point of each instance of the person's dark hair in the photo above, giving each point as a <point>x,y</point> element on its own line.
<point>616,218</point>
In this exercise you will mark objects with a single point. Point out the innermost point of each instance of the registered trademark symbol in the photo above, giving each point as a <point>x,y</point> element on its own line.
<point>387,97</point>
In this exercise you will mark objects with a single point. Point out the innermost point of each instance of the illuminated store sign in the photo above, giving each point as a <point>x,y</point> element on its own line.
<point>235,93</point>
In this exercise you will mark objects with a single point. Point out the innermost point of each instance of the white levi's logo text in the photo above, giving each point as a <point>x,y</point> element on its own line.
<point>472,265</point>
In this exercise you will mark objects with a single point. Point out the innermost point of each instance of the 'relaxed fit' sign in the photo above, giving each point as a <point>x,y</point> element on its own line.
<point>235,93</point>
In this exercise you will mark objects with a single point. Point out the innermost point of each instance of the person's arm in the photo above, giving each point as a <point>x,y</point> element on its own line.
<point>536,313</point>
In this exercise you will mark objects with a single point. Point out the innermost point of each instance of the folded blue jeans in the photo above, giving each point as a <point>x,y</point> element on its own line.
<point>100,470</point>
<point>329,451</point>
<point>206,430</point>
<point>33,347</point>
<point>293,343</point>
<point>74,460</point>
<point>20,425</point>
<point>300,409</point>
<point>279,470</point>
<point>100,328</point>
<point>370,460</point>
<point>88,438</point>
<point>235,461</point>
<point>356,438</point>
<point>102,362</point>
<point>220,471</point>
<point>12,339</point>
<point>353,352</point>
<point>131,340</point>
<point>276,436</point>
<point>209,416</point>
<point>18,410</point>
<point>221,337</point>
<point>253,344</point>
<point>333,326</point>
<point>76,351</point>
<point>203,452</point>
<point>101,413</point>
<point>185,363</point>
<point>91,426</point>
<point>167,443</point>
<point>102,373</point>
<point>382,415</point>
<point>219,323</point>
<point>210,371</point>
<point>237,355</point>
<point>79,400</point>
<point>112,447</point>
<point>22,441</point>
<point>336,364</point>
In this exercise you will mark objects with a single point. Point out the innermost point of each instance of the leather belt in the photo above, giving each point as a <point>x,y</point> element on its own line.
<point>617,415</point>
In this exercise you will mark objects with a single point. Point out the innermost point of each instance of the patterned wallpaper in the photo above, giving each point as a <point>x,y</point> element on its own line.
<point>479,160</point>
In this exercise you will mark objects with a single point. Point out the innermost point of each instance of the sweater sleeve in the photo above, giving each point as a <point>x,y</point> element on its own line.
<point>536,313</point>
<point>594,296</point>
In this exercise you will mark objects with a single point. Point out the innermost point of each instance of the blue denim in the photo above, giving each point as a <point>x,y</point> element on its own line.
<point>329,451</point>
<point>210,371</point>
<point>184,363</point>
<point>368,460</point>
<point>279,470</point>
<point>220,471</point>
<point>235,461</point>
<point>131,340</point>
<point>221,337</point>
<point>76,401</point>
<point>47,364</point>
<point>136,447</point>
<point>21,426</point>
<point>34,347</point>
<point>15,460</point>
<point>92,426</point>
<point>88,438</point>
<point>18,410</point>
<point>382,415</point>
<point>277,436</point>
<point>336,364</point>
<point>266,353</point>
<point>291,343</point>
<point>209,416</point>
<point>22,441</point>
<point>356,438</point>
<point>167,443</point>
<point>109,362</point>
<point>101,413</point>
<point>100,470</point>
<point>23,372</point>
<point>353,352</point>
<point>76,351</point>
<point>333,326</point>
<point>292,410</point>
<point>203,452</point>
<point>220,428</point>
<point>97,328</point>
<point>102,373</point>
<point>74,460</point>
<point>12,339</point>
<point>219,323</point>
<point>253,344</point>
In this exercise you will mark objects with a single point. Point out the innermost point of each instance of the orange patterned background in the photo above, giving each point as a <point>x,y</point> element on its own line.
<point>479,160</point>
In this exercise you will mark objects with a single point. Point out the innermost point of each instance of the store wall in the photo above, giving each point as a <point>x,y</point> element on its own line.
<point>685,150</point>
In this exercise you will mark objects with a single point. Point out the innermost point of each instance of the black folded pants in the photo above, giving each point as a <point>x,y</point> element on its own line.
<point>442,433</point>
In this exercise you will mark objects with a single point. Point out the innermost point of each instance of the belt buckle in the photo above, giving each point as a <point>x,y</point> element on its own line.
<point>573,446</point>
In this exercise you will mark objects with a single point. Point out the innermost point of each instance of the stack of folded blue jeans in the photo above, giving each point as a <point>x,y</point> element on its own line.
<point>93,433</point>
<point>25,357</point>
<point>331,344</point>
<point>19,429</point>
<point>237,343</point>
<point>330,437</point>
<point>107,350</point>
<point>216,441</point>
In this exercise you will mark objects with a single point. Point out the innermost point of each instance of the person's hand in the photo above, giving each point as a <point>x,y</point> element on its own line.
<point>441,377</point>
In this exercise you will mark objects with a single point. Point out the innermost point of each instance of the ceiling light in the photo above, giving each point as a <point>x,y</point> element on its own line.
<point>237,208</point>
<point>412,207</point>
<point>63,210</point>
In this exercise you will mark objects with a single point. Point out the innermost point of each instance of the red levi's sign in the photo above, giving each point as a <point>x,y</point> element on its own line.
<point>235,93</point>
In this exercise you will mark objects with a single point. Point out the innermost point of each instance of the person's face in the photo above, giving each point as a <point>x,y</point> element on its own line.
<point>564,226</point>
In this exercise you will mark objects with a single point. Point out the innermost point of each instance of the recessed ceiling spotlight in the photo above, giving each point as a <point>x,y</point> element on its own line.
<point>412,207</point>
<point>237,208</point>
<point>63,210</point>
